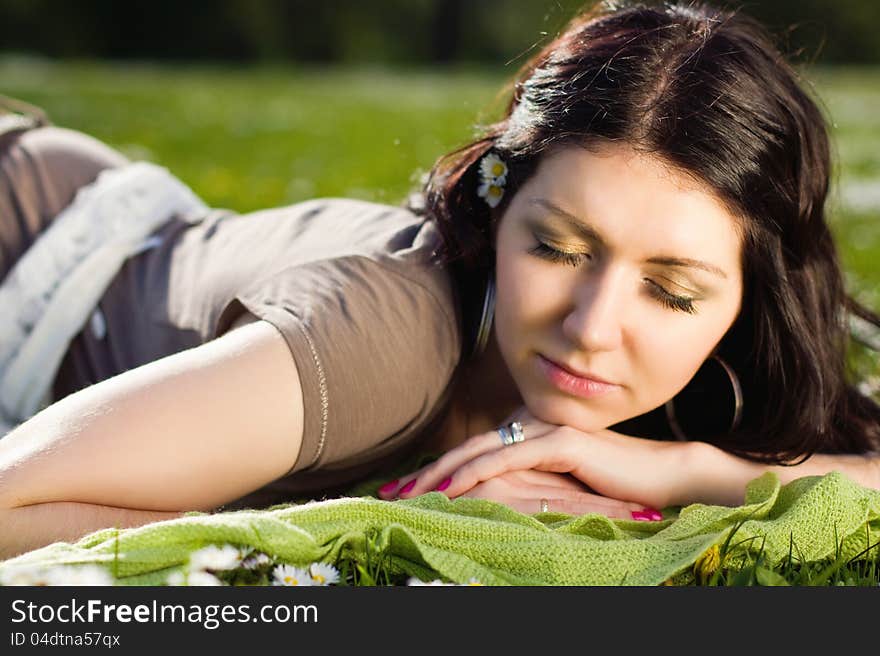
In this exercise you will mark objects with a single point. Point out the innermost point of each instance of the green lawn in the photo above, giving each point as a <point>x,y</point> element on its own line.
<point>254,138</point>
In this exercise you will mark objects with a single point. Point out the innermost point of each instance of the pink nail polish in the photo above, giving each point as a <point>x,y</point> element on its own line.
<point>647,515</point>
<point>389,486</point>
<point>444,484</point>
<point>406,488</point>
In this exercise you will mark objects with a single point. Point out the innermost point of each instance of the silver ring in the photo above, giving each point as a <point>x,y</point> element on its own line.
<point>517,429</point>
<point>505,435</point>
<point>545,505</point>
<point>511,433</point>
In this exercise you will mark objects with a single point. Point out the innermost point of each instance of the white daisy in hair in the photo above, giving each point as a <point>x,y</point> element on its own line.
<point>493,177</point>
<point>214,558</point>
<point>491,193</point>
<point>290,575</point>
<point>493,167</point>
<point>323,574</point>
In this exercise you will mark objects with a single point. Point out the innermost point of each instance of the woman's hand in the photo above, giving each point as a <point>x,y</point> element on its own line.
<point>526,490</point>
<point>616,466</point>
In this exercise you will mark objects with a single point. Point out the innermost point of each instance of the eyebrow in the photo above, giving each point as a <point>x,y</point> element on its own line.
<point>590,233</point>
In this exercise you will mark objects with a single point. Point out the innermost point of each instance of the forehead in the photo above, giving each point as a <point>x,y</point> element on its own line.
<point>635,201</point>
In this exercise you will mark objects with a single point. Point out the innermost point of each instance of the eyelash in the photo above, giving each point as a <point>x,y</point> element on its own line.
<point>677,303</point>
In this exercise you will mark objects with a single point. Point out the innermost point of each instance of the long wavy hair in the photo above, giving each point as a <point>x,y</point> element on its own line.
<point>705,91</point>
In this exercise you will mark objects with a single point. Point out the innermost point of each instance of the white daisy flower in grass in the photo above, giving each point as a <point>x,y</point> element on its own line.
<point>40,575</point>
<point>175,578</point>
<point>26,575</point>
<point>255,560</point>
<point>196,578</point>
<point>493,168</point>
<point>491,192</point>
<point>214,558</point>
<point>290,575</point>
<point>80,575</point>
<point>414,581</point>
<point>323,574</point>
<point>417,582</point>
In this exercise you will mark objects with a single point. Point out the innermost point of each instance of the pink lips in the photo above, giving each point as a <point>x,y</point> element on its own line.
<point>572,384</point>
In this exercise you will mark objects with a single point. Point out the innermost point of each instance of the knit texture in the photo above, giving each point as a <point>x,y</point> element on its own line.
<point>431,536</point>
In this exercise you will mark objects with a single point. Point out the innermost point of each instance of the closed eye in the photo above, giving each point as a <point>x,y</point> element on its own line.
<point>672,301</point>
<point>548,253</point>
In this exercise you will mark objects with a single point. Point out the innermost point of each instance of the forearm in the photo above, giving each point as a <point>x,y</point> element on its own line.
<point>29,527</point>
<point>724,476</point>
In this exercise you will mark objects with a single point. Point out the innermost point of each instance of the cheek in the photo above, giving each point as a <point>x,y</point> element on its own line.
<point>667,357</point>
<point>526,295</point>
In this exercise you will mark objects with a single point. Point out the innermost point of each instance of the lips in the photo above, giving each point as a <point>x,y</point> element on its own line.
<point>575,372</point>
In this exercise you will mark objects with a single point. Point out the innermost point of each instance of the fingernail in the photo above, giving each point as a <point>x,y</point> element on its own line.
<point>406,488</point>
<point>444,484</point>
<point>647,515</point>
<point>389,486</point>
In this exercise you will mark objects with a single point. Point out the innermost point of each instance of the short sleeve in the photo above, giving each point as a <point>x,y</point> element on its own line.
<point>374,348</point>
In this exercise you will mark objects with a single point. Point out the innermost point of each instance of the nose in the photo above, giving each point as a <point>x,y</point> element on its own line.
<point>595,323</point>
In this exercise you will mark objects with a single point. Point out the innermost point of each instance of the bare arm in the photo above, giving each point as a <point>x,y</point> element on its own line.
<point>723,477</point>
<point>191,431</point>
<point>32,527</point>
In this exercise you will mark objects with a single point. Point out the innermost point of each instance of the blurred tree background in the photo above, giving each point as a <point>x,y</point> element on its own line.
<point>374,31</point>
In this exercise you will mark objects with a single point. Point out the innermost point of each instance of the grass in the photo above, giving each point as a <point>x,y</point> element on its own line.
<point>734,564</point>
<point>248,139</point>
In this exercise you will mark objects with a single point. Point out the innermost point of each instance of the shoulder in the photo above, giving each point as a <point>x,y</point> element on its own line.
<point>349,238</point>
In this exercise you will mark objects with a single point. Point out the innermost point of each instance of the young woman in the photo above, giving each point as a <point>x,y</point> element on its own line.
<point>623,296</point>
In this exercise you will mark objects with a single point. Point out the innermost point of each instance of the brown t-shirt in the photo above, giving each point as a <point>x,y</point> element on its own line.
<point>371,321</point>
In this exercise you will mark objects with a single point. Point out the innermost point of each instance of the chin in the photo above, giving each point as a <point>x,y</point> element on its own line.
<point>567,412</point>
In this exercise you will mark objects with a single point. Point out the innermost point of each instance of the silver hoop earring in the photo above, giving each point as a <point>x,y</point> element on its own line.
<point>737,403</point>
<point>486,318</point>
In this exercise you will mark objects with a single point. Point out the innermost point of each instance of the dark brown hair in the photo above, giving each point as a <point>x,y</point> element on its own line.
<point>708,93</point>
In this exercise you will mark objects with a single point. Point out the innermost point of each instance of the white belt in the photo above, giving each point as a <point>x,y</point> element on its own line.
<point>48,296</point>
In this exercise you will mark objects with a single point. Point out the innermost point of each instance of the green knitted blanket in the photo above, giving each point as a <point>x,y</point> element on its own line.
<point>458,540</point>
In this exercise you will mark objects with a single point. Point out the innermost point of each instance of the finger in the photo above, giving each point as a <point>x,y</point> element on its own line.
<point>562,501</point>
<point>390,489</point>
<point>554,452</point>
<point>435,475</point>
<point>549,479</point>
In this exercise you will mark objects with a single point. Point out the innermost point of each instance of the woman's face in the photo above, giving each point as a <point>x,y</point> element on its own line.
<point>650,282</point>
